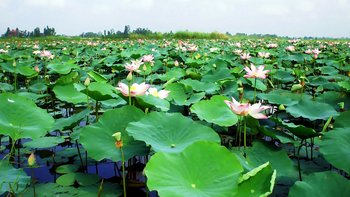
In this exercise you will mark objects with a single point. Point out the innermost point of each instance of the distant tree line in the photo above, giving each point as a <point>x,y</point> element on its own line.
<point>48,31</point>
<point>120,34</point>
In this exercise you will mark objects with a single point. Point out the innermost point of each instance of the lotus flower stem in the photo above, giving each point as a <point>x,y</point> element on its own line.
<point>299,169</point>
<point>123,169</point>
<point>129,93</point>
<point>79,153</point>
<point>245,134</point>
<point>33,182</point>
<point>254,100</point>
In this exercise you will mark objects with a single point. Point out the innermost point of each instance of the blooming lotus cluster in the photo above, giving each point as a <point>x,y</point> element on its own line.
<point>244,109</point>
<point>254,72</point>
<point>46,54</point>
<point>162,94</point>
<point>135,89</point>
<point>315,52</point>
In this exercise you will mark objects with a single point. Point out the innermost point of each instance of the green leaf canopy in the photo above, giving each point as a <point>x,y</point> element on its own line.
<point>203,169</point>
<point>170,132</point>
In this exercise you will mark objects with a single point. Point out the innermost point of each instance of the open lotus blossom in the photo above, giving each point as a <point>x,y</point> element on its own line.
<point>162,94</point>
<point>135,89</point>
<point>316,52</point>
<point>148,58</point>
<point>290,48</point>
<point>244,109</point>
<point>238,44</point>
<point>237,51</point>
<point>264,54</point>
<point>245,56</point>
<point>47,54</point>
<point>3,51</point>
<point>308,51</point>
<point>254,72</point>
<point>272,45</point>
<point>134,65</point>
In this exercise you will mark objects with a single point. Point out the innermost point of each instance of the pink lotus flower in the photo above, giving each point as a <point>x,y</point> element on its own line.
<point>244,109</point>
<point>148,58</point>
<point>162,94</point>
<point>254,72</point>
<point>309,51</point>
<point>135,89</point>
<point>133,66</point>
<point>47,54</point>
<point>245,56</point>
<point>316,52</point>
<point>290,48</point>
<point>238,44</point>
<point>264,54</point>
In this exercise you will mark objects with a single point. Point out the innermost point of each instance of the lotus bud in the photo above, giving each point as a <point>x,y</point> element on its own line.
<point>296,87</point>
<point>36,68</point>
<point>240,90</point>
<point>31,160</point>
<point>129,77</point>
<point>87,81</point>
<point>117,136</point>
<point>341,106</point>
<point>281,107</point>
<point>176,63</point>
<point>144,68</point>
<point>14,64</point>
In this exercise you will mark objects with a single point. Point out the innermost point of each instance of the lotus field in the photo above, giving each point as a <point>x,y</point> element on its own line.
<point>192,118</point>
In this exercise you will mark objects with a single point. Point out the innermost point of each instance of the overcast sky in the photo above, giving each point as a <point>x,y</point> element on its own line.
<point>294,18</point>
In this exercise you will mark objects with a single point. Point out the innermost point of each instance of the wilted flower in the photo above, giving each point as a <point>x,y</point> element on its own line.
<point>290,48</point>
<point>264,54</point>
<point>47,54</point>
<point>245,56</point>
<point>148,58</point>
<point>162,94</point>
<point>134,65</point>
<point>254,72</point>
<point>244,109</point>
<point>31,160</point>
<point>135,89</point>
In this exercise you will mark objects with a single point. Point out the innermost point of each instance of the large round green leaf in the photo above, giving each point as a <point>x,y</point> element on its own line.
<point>69,94</point>
<point>215,111</point>
<point>203,169</point>
<point>325,184</point>
<point>44,142</point>
<point>200,86</point>
<point>342,121</point>
<point>170,132</point>
<point>12,178</point>
<point>62,68</point>
<point>335,147</point>
<point>261,152</point>
<point>311,110</point>
<point>21,118</point>
<point>80,178</point>
<point>98,141</point>
<point>258,182</point>
<point>100,91</point>
<point>152,101</point>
